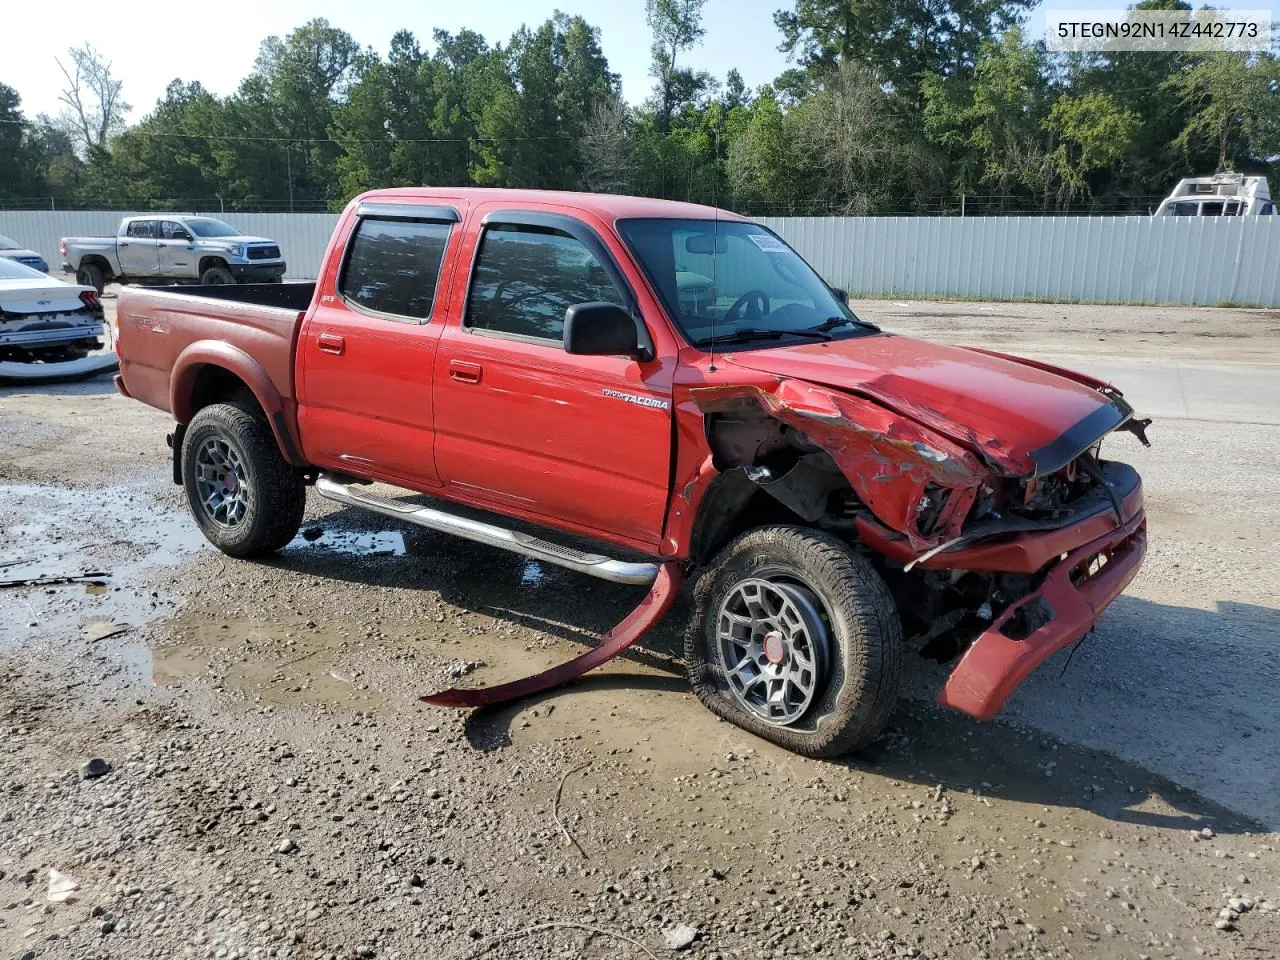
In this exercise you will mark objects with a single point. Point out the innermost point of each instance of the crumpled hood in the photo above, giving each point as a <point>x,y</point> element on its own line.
<point>1022,418</point>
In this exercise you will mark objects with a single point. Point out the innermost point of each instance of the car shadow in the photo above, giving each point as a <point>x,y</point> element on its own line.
<point>1033,754</point>
<point>512,588</point>
<point>97,385</point>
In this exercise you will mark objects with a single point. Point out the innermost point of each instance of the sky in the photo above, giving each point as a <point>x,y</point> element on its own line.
<point>150,43</point>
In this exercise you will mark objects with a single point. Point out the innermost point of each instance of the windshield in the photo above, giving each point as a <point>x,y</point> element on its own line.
<point>12,270</point>
<point>735,276</point>
<point>208,227</point>
<point>7,244</point>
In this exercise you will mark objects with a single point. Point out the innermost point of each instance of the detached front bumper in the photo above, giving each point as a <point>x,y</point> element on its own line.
<point>1062,610</point>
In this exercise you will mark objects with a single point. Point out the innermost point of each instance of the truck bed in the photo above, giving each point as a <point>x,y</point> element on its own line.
<point>174,333</point>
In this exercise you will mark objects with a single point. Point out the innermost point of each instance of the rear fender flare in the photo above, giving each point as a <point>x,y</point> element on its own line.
<point>217,353</point>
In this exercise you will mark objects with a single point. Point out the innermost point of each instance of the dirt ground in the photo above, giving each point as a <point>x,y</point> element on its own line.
<point>275,789</point>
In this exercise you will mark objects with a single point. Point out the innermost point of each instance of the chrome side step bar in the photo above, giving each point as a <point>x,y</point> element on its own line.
<point>605,568</point>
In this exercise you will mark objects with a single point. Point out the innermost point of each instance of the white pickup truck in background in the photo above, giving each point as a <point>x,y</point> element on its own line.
<point>172,248</point>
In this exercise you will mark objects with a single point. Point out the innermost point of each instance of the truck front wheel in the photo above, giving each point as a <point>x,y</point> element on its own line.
<point>796,638</point>
<point>216,275</point>
<point>245,496</point>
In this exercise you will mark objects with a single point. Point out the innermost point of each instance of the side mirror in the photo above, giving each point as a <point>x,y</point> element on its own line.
<point>602,330</point>
<point>841,294</point>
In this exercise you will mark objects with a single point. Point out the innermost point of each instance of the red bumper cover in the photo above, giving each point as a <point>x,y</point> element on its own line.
<point>1070,600</point>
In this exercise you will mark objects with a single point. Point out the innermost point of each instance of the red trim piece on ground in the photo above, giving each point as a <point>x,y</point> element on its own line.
<point>637,623</point>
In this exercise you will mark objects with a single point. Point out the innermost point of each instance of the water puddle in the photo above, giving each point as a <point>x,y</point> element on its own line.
<point>533,574</point>
<point>381,543</point>
<point>123,534</point>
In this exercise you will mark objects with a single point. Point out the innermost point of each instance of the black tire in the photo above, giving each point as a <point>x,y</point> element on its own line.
<point>216,274</point>
<point>851,704</point>
<point>276,494</point>
<point>90,275</point>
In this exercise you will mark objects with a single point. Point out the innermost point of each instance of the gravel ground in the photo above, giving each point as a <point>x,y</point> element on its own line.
<point>269,786</point>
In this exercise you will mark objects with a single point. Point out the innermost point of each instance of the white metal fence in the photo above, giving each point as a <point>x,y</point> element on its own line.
<point>1201,260</point>
<point>1104,259</point>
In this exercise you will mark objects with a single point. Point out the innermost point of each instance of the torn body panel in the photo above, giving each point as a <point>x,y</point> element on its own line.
<point>889,461</point>
<point>638,622</point>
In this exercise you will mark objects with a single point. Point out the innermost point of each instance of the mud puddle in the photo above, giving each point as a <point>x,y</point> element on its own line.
<point>110,544</point>
<point>379,543</point>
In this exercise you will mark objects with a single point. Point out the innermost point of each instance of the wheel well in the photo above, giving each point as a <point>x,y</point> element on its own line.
<point>207,262</point>
<point>219,385</point>
<point>733,505</point>
<point>769,473</point>
<point>93,260</point>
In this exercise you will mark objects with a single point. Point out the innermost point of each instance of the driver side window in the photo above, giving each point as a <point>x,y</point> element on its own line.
<point>525,277</point>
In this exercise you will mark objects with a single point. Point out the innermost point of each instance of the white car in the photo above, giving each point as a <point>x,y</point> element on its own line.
<point>48,329</point>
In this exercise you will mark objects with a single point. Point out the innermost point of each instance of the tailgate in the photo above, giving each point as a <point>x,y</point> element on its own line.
<point>161,331</point>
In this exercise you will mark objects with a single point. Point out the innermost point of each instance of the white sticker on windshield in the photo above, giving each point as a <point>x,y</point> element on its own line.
<point>767,243</point>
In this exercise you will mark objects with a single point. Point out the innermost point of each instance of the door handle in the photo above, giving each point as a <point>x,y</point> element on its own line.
<point>464,372</point>
<point>331,343</point>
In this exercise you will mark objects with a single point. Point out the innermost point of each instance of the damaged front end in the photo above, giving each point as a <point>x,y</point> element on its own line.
<point>998,554</point>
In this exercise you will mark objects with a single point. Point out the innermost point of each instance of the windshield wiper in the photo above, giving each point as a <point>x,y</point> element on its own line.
<point>748,334</point>
<point>832,322</point>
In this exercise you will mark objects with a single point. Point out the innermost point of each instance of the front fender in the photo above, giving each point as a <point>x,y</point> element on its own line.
<point>1102,386</point>
<point>889,460</point>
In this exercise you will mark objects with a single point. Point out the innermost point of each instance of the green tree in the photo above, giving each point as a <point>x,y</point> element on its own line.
<point>989,123</point>
<point>1233,104</point>
<point>1093,132</point>
<point>759,168</point>
<point>852,154</point>
<point>676,26</point>
<point>530,129</point>
<point>296,83</point>
<point>17,169</point>
<point>168,159</point>
<point>904,41</point>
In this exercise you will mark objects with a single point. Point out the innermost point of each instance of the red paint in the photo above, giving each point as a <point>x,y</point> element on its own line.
<point>994,665</point>
<point>637,623</point>
<point>524,429</point>
<point>1008,409</point>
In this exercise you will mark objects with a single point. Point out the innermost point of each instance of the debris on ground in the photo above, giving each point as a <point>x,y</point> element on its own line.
<point>94,632</point>
<point>460,668</point>
<point>95,768</point>
<point>61,887</point>
<point>680,936</point>
<point>88,576</point>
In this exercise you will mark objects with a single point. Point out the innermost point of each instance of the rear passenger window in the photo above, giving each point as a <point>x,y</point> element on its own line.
<point>526,277</point>
<point>142,229</point>
<point>392,266</point>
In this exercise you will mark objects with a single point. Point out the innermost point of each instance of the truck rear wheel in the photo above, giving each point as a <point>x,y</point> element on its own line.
<point>90,275</point>
<point>245,496</point>
<point>796,638</point>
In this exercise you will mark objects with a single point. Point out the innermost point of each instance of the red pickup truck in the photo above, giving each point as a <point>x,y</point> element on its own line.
<point>676,385</point>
